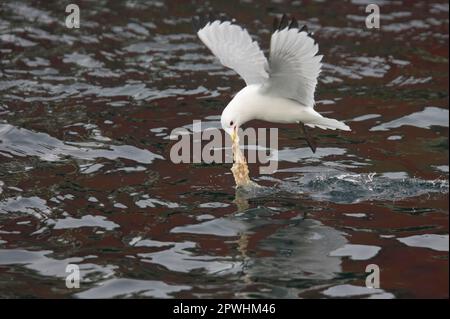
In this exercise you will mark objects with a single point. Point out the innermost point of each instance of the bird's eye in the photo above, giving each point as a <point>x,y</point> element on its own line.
<point>231,123</point>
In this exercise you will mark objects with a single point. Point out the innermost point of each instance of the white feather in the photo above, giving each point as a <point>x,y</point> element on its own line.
<point>294,66</point>
<point>236,50</point>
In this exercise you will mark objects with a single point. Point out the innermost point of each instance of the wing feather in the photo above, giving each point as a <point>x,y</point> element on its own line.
<point>294,65</point>
<point>235,49</point>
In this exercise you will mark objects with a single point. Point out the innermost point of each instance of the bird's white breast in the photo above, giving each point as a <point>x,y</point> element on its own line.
<point>251,104</point>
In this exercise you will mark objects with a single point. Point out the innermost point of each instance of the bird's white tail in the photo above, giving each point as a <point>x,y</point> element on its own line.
<point>326,123</point>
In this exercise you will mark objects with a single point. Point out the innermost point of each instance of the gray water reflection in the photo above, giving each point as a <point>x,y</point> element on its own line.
<point>126,288</point>
<point>299,253</point>
<point>430,116</point>
<point>22,143</point>
<point>431,241</point>
<point>41,263</point>
<point>33,205</point>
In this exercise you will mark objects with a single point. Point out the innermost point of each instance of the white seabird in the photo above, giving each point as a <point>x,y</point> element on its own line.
<point>280,90</point>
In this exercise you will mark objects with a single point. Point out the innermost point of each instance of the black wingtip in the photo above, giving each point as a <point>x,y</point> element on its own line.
<point>283,22</point>
<point>293,24</point>
<point>276,23</point>
<point>280,24</point>
<point>199,22</point>
<point>222,17</point>
<point>202,19</point>
<point>309,33</point>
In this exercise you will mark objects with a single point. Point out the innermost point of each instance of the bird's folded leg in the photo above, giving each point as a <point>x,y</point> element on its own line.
<point>309,139</point>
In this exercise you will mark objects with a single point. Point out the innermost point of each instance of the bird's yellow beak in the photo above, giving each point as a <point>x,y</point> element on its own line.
<point>234,135</point>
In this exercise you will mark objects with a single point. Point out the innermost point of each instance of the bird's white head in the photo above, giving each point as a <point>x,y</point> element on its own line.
<point>240,110</point>
<point>230,122</point>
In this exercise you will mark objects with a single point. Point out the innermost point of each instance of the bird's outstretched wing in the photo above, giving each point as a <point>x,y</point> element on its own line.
<point>234,47</point>
<point>293,63</point>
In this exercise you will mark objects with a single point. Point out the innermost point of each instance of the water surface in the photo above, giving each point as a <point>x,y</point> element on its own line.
<point>86,177</point>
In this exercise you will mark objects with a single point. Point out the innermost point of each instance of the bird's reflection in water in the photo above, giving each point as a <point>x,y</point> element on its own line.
<point>251,190</point>
<point>274,253</point>
<point>241,198</point>
<point>295,250</point>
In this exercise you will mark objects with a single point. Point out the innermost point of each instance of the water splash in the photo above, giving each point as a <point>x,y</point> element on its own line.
<point>344,187</point>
